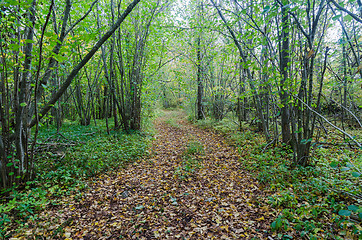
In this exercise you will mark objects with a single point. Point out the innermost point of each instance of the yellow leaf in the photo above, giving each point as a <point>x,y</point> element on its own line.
<point>359,68</point>
<point>310,53</point>
<point>225,227</point>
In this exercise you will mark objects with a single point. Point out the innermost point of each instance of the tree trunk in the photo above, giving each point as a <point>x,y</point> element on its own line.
<point>284,60</point>
<point>200,111</point>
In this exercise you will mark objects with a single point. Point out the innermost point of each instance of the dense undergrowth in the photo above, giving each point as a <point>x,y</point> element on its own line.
<point>315,202</point>
<point>64,161</point>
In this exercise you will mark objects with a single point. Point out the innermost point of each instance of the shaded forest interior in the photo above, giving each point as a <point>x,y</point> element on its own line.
<point>86,87</point>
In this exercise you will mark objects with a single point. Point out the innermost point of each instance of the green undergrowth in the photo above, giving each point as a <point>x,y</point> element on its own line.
<point>315,202</point>
<point>173,122</point>
<point>172,116</point>
<point>65,162</point>
<point>191,160</point>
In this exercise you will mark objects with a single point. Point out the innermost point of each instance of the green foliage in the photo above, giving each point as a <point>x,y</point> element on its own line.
<point>307,192</point>
<point>225,125</point>
<point>4,221</point>
<point>194,148</point>
<point>22,206</point>
<point>173,122</point>
<point>108,153</point>
<point>280,223</point>
<point>173,117</point>
<point>191,160</point>
<point>94,151</point>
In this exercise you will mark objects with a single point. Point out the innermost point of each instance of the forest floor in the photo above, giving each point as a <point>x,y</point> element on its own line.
<point>191,186</point>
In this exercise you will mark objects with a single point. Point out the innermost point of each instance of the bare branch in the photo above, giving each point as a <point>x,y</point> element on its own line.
<point>325,119</point>
<point>163,64</point>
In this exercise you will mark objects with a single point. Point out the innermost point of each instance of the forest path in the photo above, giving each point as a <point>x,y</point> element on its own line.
<point>178,192</point>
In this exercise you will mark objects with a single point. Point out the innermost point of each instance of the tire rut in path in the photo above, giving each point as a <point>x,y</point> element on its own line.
<point>149,200</point>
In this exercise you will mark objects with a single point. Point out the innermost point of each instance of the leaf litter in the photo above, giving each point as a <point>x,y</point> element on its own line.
<point>214,199</point>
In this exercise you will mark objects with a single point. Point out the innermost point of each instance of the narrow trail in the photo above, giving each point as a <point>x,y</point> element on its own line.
<point>150,199</point>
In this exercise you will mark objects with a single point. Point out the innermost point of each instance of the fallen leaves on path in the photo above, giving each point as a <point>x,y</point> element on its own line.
<point>148,200</point>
